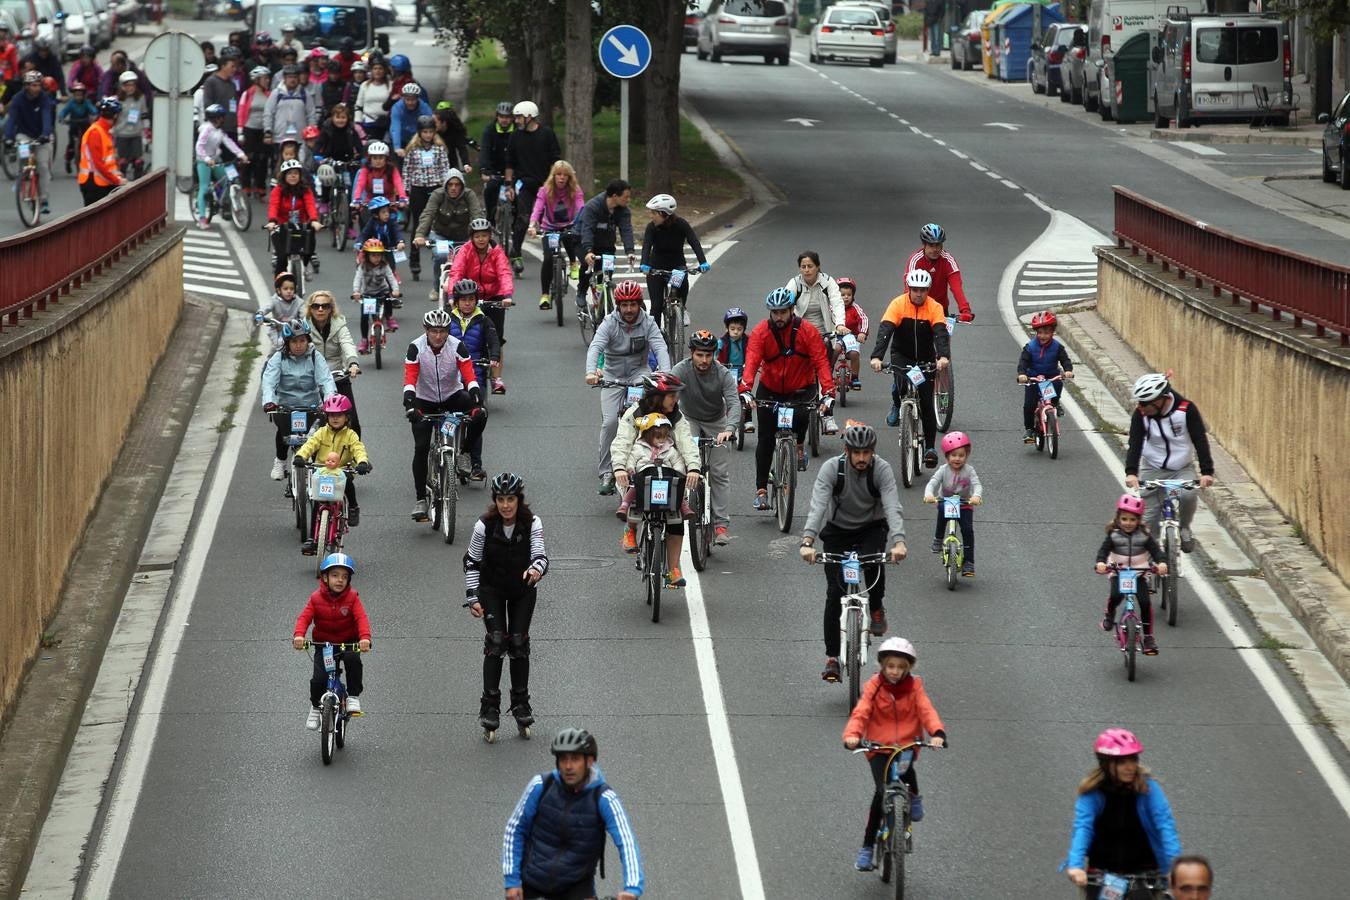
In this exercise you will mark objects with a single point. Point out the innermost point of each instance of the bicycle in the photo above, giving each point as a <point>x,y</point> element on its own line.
<point>26,183</point>
<point>672,315</point>
<point>1129,627</point>
<point>504,221</point>
<point>911,427</point>
<point>225,194</point>
<point>600,300</point>
<point>447,469</point>
<point>659,491</point>
<point>895,838</point>
<point>340,207</point>
<point>304,421</point>
<point>944,385</point>
<point>853,629</point>
<point>375,311</point>
<point>328,495</point>
<point>1141,886</point>
<point>333,714</point>
<point>1171,541</point>
<point>953,547</point>
<point>844,344</point>
<point>746,412</point>
<point>294,249</point>
<point>701,527</point>
<point>557,286</point>
<point>1045,422</point>
<point>783,471</point>
<point>483,370</point>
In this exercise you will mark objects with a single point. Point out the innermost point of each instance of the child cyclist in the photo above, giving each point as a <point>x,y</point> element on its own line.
<point>731,351</point>
<point>209,141</point>
<point>383,227</point>
<point>338,617</point>
<point>956,476</point>
<point>79,113</point>
<point>335,438</point>
<point>893,709</point>
<point>1043,357</point>
<point>378,179</point>
<point>292,200</point>
<point>655,446</point>
<point>374,278</point>
<point>858,325</point>
<point>1129,545</point>
<point>283,306</point>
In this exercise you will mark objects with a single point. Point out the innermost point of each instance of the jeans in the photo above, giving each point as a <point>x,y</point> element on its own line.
<point>967,530</point>
<point>506,621</point>
<point>421,429</point>
<point>206,173</point>
<point>351,668</point>
<point>719,465</point>
<point>1153,500</point>
<point>935,39</point>
<point>767,421</point>
<point>43,154</point>
<point>871,539</point>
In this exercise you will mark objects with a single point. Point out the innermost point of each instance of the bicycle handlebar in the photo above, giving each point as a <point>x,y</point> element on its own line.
<point>1164,484</point>
<point>609,383</point>
<point>348,648</point>
<point>1113,568</point>
<point>1038,379</point>
<point>867,746</point>
<point>864,558</point>
<point>924,367</point>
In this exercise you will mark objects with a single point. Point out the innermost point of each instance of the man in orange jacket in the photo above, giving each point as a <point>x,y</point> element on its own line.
<point>98,154</point>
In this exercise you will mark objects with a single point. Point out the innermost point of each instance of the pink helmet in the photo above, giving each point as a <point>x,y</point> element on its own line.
<point>1131,504</point>
<point>953,441</point>
<point>1117,742</point>
<point>337,404</point>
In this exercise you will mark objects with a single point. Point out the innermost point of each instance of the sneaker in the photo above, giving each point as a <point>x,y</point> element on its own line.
<point>893,417</point>
<point>916,807</point>
<point>930,459</point>
<point>831,673</point>
<point>761,501</point>
<point>721,536</point>
<point>308,548</point>
<point>1150,645</point>
<point>674,579</point>
<point>855,385</point>
<point>801,460</point>
<point>581,301</point>
<point>312,720</point>
<point>622,512</point>
<point>1187,541</point>
<point>517,265</point>
<point>392,323</point>
<point>203,224</point>
<point>434,295</point>
<point>47,210</point>
<point>314,266</point>
<point>419,512</point>
<point>864,862</point>
<point>574,272</point>
<point>364,348</point>
<point>278,470</point>
<point>545,302</point>
<point>417,274</point>
<point>1108,624</point>
<point>498,386</point>
<point>968,569</point>
<point>354,706</point>
<point>937,545</point>
<point>1029,437</point>
<point>749,427</point>
<point>630,539</point>
<point>353,516</point>
<point>477,473</point>
<point>879,626</point>
<point>606,488</point>
<point>829,425</point>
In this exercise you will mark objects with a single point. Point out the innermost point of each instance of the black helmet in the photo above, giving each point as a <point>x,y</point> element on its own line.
<point>293,69</point>
<point>230,52</point>
<point>465,287</point>
<point>508,484</point>
<point>215,111</point>
<point>574,740</point>
<point>858,436</point>
<point>424,122</point>
<point>702,340</point>
<point>504,108</point>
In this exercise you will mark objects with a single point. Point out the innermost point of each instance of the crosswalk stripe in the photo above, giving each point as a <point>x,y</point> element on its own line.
<point>202,276</point>
<point>204,252</point>
<point>216,291</point>
<point>1067,282</point>
<point>1042,303</point>
<point>197,237</point>
<point>1068,266</point>
<point>1052,292</point>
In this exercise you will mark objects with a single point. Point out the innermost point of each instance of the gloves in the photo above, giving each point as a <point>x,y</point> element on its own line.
<point>703,267</point>
<point>476,395</point>
<point>270,408</point>
<point>363,468</point>
<point>258,317</point>
<point>299,461</point>
<point>747,397</point>
<point>967,316</point>
<point>408,399</point>
<point>413,415</point>
<point>645,268</point>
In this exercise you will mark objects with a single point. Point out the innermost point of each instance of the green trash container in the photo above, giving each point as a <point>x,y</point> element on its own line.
<point>1127,73</point>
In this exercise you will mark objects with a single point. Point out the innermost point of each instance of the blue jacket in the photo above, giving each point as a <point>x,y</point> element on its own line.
<point>477,334</point>
<point>79,110</point>
<point>386,232</point>
<point>403,122</point>
<point>1155,814</point>
<point>27,116</point>
<point>294,381</point>
<point>1044,361</point>
<point>558,843</point>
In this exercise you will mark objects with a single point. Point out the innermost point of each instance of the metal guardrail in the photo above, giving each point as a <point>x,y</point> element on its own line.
<point>42,264</point>
<point>1281,280</point>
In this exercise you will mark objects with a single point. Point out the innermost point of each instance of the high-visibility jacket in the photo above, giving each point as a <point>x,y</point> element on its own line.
<point>98,155</point>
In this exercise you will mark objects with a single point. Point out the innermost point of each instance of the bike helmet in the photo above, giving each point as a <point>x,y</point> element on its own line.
<point>42,42</point>
<point>858,436</point>
<point>649,421</point>
<point>88,50</point>
<point>954,441</point>
<point>444,106</point>
<point>465,287</point>
<point>899,646</point>
<point>845,281</point>
<point>780,298</point>
<point>504,108</point>
<point>1149,387</point>
<point>230,52</point>
<point>317,53</point>
<point>662,203</point>
<point>295,328</point>
<point>282,278</point>
<point>327,175</point>
<point>526,108</point>
<point>215,111</point>
<point>1130,503</point>
<point>627,290</point>
<point>358,66</point>
<point>77,88</point>
<point>259,72</point>
<point>733,314</point>
<point>1117,742</point>
<point>373,245</point>
<point>662,383</point>
<point>336,403</point>
<point>1044,320</point>
<point>291,136</point>
<point>109,107</point>
<point>411,89</point>
<point>33,76</point>
<point>310,132</point>
<point>400,64</point>
<point>574,740</point>
<point>290,165</point>
<point>263,39</point>
<point>425,122</point>
<point>919,279</point>
<point>932,233</point>
<point>49,85</point>
<point>508,484</point>
<point>436,318</point>
<point>338,561</point>
<point>377,148</point>
<point>480,224</point>
<point>125,78</point>
<point>377,203</point>
<point>702,340</point>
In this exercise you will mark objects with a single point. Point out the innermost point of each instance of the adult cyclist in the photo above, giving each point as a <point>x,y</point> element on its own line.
<point>438,377</point>
<point>855,506</point>
<point>556,834</point>
<point>1167,437</point>
<point>663,248</point>
<point>711,404</point>
<point>492,156</point>
<point>942,268</point>
<point>789,357</point>
<point>919,330</point>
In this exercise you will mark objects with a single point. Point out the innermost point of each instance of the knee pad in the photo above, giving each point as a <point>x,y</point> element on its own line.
<point>494,643</point>
<point>519,646</point>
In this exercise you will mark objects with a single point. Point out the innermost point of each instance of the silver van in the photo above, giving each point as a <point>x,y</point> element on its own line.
<point>1110,24</point>
<point>1211,67</point>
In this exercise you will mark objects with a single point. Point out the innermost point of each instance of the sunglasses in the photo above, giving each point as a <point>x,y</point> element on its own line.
<point>321,306</point>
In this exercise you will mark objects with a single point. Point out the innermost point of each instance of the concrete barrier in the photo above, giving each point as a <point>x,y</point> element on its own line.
<point>1275,396</point>
<point>71,380</point>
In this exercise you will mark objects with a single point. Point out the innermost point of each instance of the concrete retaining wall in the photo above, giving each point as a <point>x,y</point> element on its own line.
<point>71,380</point>
<point>1275,397</point>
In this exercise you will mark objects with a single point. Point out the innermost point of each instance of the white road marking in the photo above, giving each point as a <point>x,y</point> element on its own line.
<point>204,250</point>
<point>940,143</point>
<point>1067,282</point>
<point>904,121</point>
<point>1050,292</point>
<point>957,153</point>
<point>217,291</point>
<point>993,175</point>
<point>1200,149</point>
<point>1007,183</point>
<point>977,167</point>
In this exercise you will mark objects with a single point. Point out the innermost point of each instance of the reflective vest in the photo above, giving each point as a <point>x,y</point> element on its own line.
<point>98,155</point>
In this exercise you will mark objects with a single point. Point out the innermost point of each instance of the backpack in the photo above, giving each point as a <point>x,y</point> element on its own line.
<point>838,488</point>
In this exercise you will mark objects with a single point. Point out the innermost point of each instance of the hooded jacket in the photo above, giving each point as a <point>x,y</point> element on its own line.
<point>626,347</point>
<point>449,216</point>
<point>893,713</point>
<point>337,618</point>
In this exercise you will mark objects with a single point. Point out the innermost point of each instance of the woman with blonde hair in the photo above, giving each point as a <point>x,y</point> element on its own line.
<point>331,337</point>
<point>555,208</point>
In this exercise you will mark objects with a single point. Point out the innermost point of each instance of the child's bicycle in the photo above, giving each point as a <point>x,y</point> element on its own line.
<point>333,714</point>
<point>659,493</point>
<point>376,311</point>
<point>1129,626</point>
<point>843,344</point>
<point>327,493</point>
<point>226,195</point>
<point>1140,886</point>
<point>911,426</point>
<point>953,547</point>
<point>857,637</point>
<point>1171,540</point>
<point>673,315</point>
<point>1045,422</point>
<point>895,838</point>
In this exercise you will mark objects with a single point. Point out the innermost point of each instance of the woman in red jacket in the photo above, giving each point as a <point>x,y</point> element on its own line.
<point>339,618</point>
<point>292,201</point>
<point>486,263</point>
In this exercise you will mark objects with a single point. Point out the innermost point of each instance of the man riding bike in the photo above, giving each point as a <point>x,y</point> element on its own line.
<point>920,331</point>
<point>855,506</point>
<point>1167,437</point>
<point>603,221</point>
<point>710,402</point>
<point>31,119</point>
<point>942,268</point>
<point>492,156</point>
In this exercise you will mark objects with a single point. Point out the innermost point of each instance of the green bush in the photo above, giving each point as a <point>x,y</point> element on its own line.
<point>909,26</point>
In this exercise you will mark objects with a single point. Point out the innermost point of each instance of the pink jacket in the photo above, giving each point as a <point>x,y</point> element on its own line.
<point>543,210</point>
<point>393,185</point>
<point>492,272</point>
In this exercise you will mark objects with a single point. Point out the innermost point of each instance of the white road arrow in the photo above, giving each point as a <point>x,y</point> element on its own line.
<point>627,55</point>
<point>1007,125</point>
<point>809,123</point>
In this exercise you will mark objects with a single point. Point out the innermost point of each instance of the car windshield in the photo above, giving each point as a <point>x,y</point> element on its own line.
<point>758,8</point>
<point>976,19</point>
<point>1237,46</point>
<point>317,25</point>
<point>1064,36</point>
<point>839,16</point>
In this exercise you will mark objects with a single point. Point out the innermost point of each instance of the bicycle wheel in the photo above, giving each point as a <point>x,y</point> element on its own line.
<point>813,434</point>
<point>558,290</point>
<point>434,486</point>
<point>951,558</point>
<point>241,211</point>
<point>740,434</point>
<point>785,482</point>
<point>449,497</point>
<point>321,542</point>
<point>587,322</point>
<point>916,445</point>
<point>944,397</point>
<point>296,266</point>
<point>9,162</point>
<point>26,196</point>
<point>377,341</point>
<point>342,219</point>
<point>1131,645</point>
<point>853,653</point>
<point>300,491</point>
<point>674,330</point>
<point>898,849</point>
<point>698,532</point>
<point>906,442</point>
<point>327,738</point>
<point>1171,581</point>
<point>654,570</point>
<point>1052,433</point>
<point>841,379</point>
<point>340,731</point>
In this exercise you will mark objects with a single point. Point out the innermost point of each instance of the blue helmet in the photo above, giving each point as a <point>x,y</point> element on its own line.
<point>336,560</point>
<point>932,233</point>
<point>400,63</point>
<point>735,313</point>
<point>377,203</point>
<point>295,328</point>
<point>780,298</point>
<point>110,107</point>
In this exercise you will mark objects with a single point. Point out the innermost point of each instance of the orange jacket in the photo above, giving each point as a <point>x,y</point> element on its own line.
<point>98,155</point>
<point>893,713</point>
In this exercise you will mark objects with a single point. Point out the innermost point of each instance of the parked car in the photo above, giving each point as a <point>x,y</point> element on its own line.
<point>37,18</point>
<point>1110,24</point>
<point>1073,69</point>
<point>746,28</point>
<point>883,11</point>
<point>967,44</point>
<point>76,28</point>
<point>693,18</point>
<point>1047,56</point>
<point>101,33</point>
<point>1212,67</point>
<point>848,32</point>
<point>1336,144</point>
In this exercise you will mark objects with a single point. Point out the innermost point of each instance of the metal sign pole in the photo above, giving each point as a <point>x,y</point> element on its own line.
<point>623,129</point>
<point>171,138</point>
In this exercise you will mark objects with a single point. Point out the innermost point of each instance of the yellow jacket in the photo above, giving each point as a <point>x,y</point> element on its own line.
<point>344,443</point>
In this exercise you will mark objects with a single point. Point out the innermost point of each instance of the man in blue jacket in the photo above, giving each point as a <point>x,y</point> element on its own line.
<point>403,117</point>
<point>556,834</point>
<point>32,117</point>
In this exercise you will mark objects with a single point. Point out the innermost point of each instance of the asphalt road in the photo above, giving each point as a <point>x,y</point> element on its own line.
<point>236,801</point>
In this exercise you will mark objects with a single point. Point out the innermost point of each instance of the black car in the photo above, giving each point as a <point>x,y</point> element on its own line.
<point>1336,144</point>
<point>1044,69</point>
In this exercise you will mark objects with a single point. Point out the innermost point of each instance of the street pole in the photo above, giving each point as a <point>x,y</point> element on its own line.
<point>171,157</point>
<point>623,129</point>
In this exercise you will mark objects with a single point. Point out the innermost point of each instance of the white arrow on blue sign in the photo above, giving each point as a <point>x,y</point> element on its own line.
<point>625,51</point>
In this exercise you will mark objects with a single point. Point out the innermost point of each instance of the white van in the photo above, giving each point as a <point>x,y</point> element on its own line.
<point>318,24</point>
<point>1113,22</point>
<point>1213,66</point>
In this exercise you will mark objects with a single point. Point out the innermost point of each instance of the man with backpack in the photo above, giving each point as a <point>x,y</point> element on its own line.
<point>855,506</point>
<point>555,837</point>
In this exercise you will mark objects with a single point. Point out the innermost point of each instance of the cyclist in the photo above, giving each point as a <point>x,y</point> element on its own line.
<point>663,248</point>
<point>1129,544</point>
<point>382,225</point>
<point>297,376</point>
<point>1043,357</point>
<point>289,106</point>
<point>438,377</point>
<point>492,156</point>
<point>283,306</point>
<point>99,173</point>
<point>789,357</point>
<point>328,330</point>
<point>374,278</point>
<point>855,506</point>
<point>731,352</point>
<point>602,221</point>
<point>712,407</point>
<point>473,328</point>
<point>339,142</point>
<point>1122,822</point>
<point>656,446</point>
<point>292,201</point>
<point>556,207</point>
<point>942,268</point>
<point>334,437</point>
<point>426,167</point>
<point>486,264</point>
<point>660,395</point>
<point>378,179</point>
<point>405,118</point>
<point>450,129</point>
<point>209,168</point>
<point>893,709</point>
<point>956,477</point>
<point>252,106</point>
<point>78,113</point>
<point>819,303</point>
<point>446,217</point>
<point>626,337</point>
<point>31,118</point>
<point>556,834</point>
<point>1167,436</point>
<point>919,329</point>
<point>858,325</point>
<point>339,617</point>
<point>530,154</point>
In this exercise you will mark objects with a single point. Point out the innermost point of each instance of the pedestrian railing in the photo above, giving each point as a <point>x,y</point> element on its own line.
<point>44,263</point>
<point>1261,275</point>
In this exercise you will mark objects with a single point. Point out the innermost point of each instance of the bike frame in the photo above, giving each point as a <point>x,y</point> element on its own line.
<point>1045,403</point>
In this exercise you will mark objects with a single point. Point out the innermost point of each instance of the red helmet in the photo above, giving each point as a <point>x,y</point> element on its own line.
<point>627,290</point>
<point>662,383</point>
<point>1131,504</point>
<point>310,132</point>
<point>49,84</point>
<point>1117,742</point>
<point>846,281</point>
<point>1044,320</point>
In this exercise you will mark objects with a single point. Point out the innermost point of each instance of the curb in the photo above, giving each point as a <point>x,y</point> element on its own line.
<point>1221,137</point>
<point>761,195</point>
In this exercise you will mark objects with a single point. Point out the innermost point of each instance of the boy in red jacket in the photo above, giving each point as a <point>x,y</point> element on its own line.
<point>339,618</point>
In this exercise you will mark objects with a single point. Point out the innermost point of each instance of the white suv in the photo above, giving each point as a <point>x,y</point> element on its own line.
<point>746,28</point>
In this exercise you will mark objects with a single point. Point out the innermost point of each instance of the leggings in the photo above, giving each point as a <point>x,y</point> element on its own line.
<point>570,242</point>
<point>878,766</point>
<point>1141,598</point>
<point>506,622</point>
<point>767,419</point>
<point>255,174</point>
<point>871,539</point>
<point>351,668</point>
<point>656,294</point>
<point>967,530</point>
<point>206,173</point>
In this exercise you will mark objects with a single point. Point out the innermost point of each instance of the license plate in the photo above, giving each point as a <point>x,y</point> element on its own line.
<point>1113,887</point>
<point>1214,99</point>
<point>25,151</point>
<point>634,394</point>
<point>607,263</point>
<point>851,343</point>
<point>755,29</point>
<point>327,489</point>
<point>915,376</point>
<point>299,421</point>
<point>370,306</point>
<point>1128,580</point>
<point>443,248</point>
<point>1047,391</point>
<point>852,572</point>
<point>676,278</point>
<point>658,491</point>
<point>785,414</point>
<point>400,256</point>
<point>231,172</point>
<point>553,240</point>
<point>951,507</point>
<point>329,663</point>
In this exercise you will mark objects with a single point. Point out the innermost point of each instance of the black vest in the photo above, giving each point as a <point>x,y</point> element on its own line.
<point>505,559</point>
<point>567,838</point>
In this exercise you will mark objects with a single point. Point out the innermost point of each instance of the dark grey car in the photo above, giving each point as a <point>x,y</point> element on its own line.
<point>1045,68</point>
<point>967,42</point>
<point>1073,68</point>
<point>1336,144</point>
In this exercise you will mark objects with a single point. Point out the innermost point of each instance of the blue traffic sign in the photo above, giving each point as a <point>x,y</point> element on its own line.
<point>625,51</point>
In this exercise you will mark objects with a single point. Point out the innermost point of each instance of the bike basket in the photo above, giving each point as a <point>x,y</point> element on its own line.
<point>553,240</point>
<point>370,306</point>
<point>231,172</point>
<point>633,394</point>
<point>1128,582</point>
<point>785,414</point>
<point>915,376</point>
<point>607,262</point>
<point>676,279</point>
<point>852,572</point>
<point>1114,887</point>
<point>329,662</point>
<point>659,490</point>
<point>25,150</point>
<point>1047,389</point>
<point>851,344</point>
<point>951,507</point>
<point>326,488</point>
<point>299,421</point>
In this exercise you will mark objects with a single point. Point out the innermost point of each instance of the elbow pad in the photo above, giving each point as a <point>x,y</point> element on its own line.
<point>470,564</point>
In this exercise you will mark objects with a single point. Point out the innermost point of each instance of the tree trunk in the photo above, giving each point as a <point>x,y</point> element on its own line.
<point>663,94</point>
<point>542,89</point>
<point>578,88</point>
<point>518,68</point>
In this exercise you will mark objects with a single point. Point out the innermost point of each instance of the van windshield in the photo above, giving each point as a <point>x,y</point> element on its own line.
<point>316,24</point>
<point>1237,46</point>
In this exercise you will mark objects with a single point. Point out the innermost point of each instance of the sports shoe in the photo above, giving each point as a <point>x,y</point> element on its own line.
<point>314,266</point>
<point>434,295</point>
<point>354,706</point>
<point>1029,437</point>
<point>581,301</point>
<point>831,673</point>
<point>801,460</point>
<point>1150,645</point>
<point>916,807</point>
<point>674,578</point>
<point>312,720</point>
<point>864,862</point>
<point>419,512</point>
<point>353,516</point>
<point>893,417</point>
<point>364,347</point>
<point>829,425</point>
<point>308,548</point>
<point>855,385</point>
<point>749,427</point>
<point>545,302</point>
<point>761,501</point>
<point>720,536</point>
<point>630,539</point>
<point>47,210</point>
<point>1187,541</point>
<point>968,569</point>
<point>476,473</point>
<point>278,470</point>
<point>498,386</point>
<point>879,626</point>
<point>930,459</point>
<point>392,323</point>
<point>574,272</point>
<point>1108,623</point>
<point>937,545</point>
<point>203,224</point>
<point>517,265</point>
<point>417,274</point>
<point>606,488</point>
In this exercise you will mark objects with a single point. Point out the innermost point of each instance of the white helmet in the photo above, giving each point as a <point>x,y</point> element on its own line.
<point>1149,388</point>
<point>378,148</point>
<point>290,165</point>
<point>526,108</point>
<point>897,645</point>
<point>327,175</point>
<point>662,203</point>
<point>126,77</point>
<point>919,278</point>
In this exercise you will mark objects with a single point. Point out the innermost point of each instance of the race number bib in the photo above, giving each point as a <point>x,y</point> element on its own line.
<point>851,343</point>
<point>370,306</point>
<point>400,256</point>
<point>299,421</point>
<point>1128,580</point>
<point>1047,391</point>
<point>915,376</point>
<point>852,572</point>
<point>553,239</point>
<point>428,157</point>
<point>234,105</point>
<point>231,172</point>
<point>634,395</point>
<point>785,414</point>
<point>133,115</point>
<point>677,278</point>
<point>327,487</point>
<point>377,186</point>
<point>25,150</point>
<point>442,248</point>
<point>607,263</point>
<point>658,491</point>
<point>329,663</point>
<point>448,427</point>
<point>951,324</point>
<point>951,507</point>
<point>1113,887</point>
